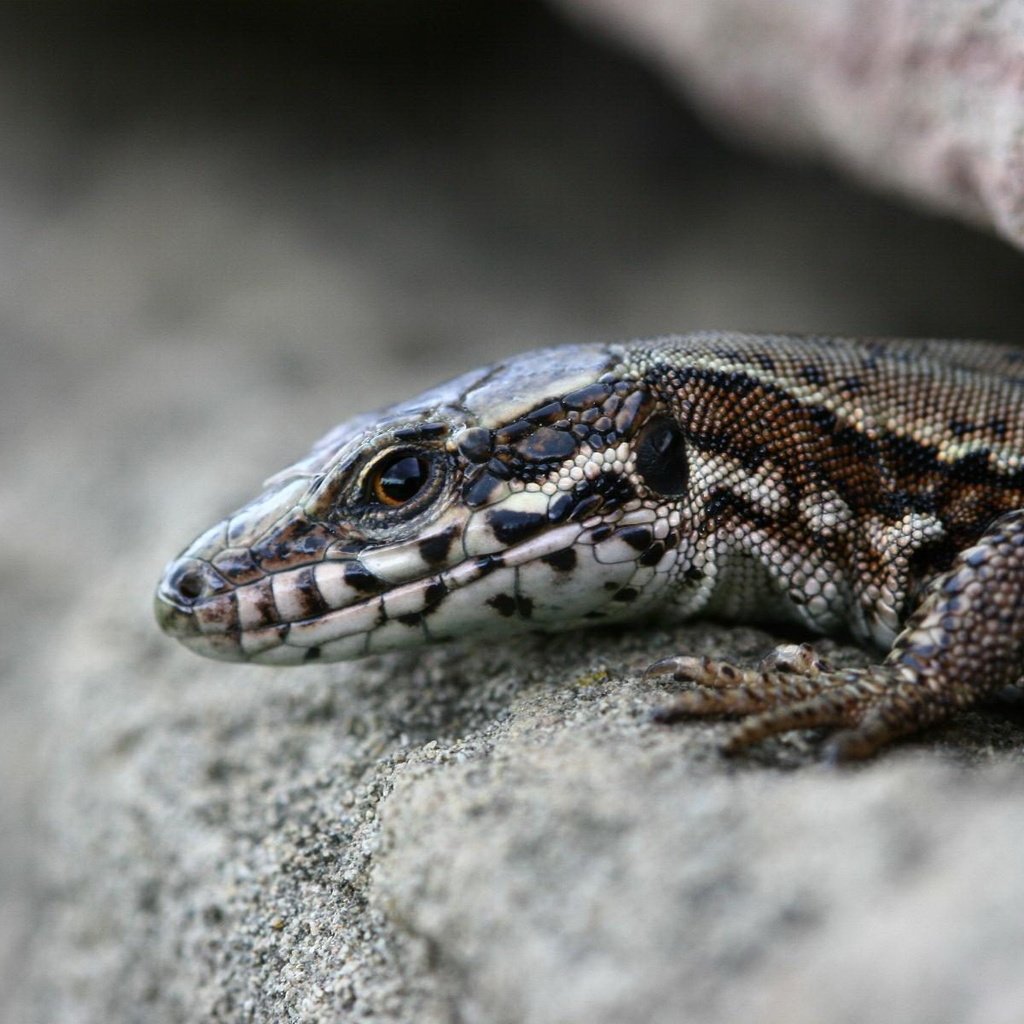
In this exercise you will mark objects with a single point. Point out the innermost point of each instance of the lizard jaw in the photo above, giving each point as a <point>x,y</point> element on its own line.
<point>334,609</point>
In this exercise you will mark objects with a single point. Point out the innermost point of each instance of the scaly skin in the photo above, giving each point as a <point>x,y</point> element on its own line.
<point>850,486</point>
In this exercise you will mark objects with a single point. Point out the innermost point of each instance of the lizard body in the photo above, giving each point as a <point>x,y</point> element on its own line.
<point>869,487</point>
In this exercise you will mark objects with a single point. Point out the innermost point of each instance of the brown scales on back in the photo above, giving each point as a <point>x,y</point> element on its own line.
<point>861,486</point>
<point>883,443</point>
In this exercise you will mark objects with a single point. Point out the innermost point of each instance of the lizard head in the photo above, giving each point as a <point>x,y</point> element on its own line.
<point>531,495</point>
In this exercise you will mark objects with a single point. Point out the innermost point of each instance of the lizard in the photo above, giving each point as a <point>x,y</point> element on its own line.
<point>866,487</point>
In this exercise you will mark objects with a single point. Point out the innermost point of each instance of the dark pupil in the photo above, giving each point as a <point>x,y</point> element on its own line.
<point>663,440</point>
<point>404,478</point>
<point>661,458</point>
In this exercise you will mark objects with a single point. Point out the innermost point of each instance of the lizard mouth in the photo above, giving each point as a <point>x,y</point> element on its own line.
<point>337,608</point>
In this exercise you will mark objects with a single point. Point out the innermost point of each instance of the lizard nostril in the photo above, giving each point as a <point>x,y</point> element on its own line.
<point>187,583</point>
<point>190,598</point>
<point>190,584</point>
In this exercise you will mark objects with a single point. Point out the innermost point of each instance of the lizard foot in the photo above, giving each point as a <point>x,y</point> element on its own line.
<point>961,643</point>
<point>795,689</point>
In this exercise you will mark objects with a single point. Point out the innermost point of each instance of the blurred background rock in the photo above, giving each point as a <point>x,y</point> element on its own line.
<point>225,226</point>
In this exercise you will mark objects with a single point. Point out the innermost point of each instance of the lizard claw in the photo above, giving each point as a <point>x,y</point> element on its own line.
<point>704,671</point>
<point>798,659</point>
<point>791,689</point>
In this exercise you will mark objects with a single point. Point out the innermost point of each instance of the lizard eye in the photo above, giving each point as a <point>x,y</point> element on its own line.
<point>661,457</point>
<point>398,478</point>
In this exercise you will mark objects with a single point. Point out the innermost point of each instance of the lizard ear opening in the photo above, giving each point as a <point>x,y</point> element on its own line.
<point>661,457</point>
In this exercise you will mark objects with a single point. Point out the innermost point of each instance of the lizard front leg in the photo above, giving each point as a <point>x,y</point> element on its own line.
<point>964,641</point>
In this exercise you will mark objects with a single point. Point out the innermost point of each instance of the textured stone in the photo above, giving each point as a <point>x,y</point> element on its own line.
<point>464,834</point>
<point>921,97</point>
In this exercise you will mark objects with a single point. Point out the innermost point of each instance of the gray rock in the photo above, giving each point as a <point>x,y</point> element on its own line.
<point>599,872</point>
<point>923,99</point>
<point>461,834</point>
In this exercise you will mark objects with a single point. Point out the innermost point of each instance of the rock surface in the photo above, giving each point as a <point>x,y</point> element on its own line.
<point>922,98</point>
<point>199,273</point>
